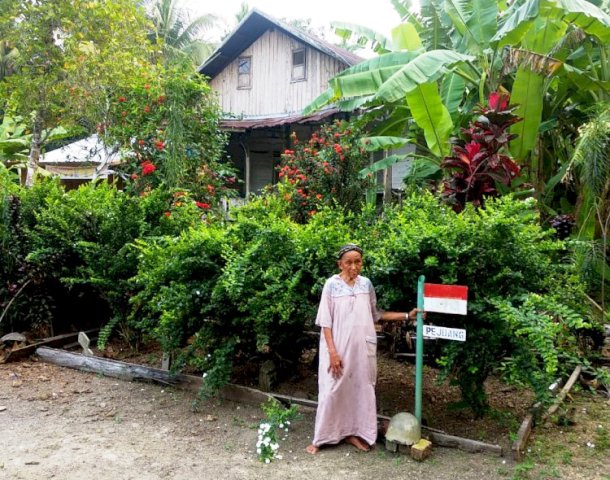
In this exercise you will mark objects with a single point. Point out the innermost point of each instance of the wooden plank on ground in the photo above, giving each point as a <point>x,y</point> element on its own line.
<point>523,435</point>
<point>564,391</point>
<point>56,341</point>
<point>237,393</point>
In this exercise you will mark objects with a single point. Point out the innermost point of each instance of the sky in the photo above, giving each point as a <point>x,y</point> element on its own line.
<point>378,15</point>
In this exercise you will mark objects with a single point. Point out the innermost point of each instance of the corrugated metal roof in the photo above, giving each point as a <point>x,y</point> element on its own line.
<point>253,26</point>
<point>258,122</point>
<point>87,150</point>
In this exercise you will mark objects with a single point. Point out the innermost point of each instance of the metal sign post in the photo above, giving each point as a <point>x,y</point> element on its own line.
<point>452,299</point>
<point>419,348</point>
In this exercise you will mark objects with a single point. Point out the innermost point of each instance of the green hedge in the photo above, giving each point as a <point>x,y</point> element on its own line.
<point>217,293</point>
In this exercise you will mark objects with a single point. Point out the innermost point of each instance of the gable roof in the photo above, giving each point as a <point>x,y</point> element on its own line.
<point>252,27</point>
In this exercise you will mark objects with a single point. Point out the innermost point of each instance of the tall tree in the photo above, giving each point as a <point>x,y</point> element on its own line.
<point>72,56</point>
<point>177,33</point>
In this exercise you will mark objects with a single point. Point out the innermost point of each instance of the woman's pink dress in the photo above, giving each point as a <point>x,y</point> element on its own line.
<point>346,406</point>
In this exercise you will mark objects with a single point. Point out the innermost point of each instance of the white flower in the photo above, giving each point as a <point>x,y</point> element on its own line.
<point>285,429</point>
<point>205,374</point>
<point>198,292</point>
<point>287,422</point>
<point>258,450</point>
<point>281,425</point>
<point>274,447</point>
<point>267,460</point>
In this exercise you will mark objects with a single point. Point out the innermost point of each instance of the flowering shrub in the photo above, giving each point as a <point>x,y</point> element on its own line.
<point>277,422</point>
<point>478,161</point>
<point>324,171</point>
<point>167,125</point>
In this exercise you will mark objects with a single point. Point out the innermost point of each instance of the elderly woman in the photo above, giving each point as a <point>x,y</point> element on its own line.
<point>348,348</point>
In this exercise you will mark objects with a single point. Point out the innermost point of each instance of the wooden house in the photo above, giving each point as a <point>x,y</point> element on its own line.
<point>266,72</point>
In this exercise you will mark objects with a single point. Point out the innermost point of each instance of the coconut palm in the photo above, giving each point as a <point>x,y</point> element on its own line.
<point>180,34</point>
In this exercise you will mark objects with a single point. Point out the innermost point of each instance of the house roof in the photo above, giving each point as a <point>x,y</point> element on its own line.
<point>84,159</point>
<point>276,121</point>
<point>87,150</point>
<point>252,27</point>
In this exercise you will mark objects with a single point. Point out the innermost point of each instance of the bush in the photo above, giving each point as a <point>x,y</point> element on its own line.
<point>27,298</point>
<point>80,243</point>
<point>324,171</point>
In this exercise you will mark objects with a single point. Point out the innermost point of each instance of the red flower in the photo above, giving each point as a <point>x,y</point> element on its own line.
<point>161,99</point>
<point>146,86</point>
<point>167,214</point>
<point>146,109</point>
<point>211,189</point>
<point>159,145</point>
<point>312,213</point>
<point>141,143</point>
<point>319,196</point>
<point>122,99</point>
<point>338,148</point>
<point>147,167</point>
<point>337,135</point>
<point>203,205</point>
<point>134,176</point>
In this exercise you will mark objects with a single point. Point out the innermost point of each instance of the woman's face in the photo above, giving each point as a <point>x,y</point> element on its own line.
<point>350,265</point>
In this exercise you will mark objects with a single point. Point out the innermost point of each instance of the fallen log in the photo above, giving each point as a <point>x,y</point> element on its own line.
<point>130,371</point>
<point>56,341</point>
<point>237,393</point>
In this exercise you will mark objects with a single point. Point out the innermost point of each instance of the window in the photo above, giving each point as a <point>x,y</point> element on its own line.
<point>244,72</point>
<point>298,64</point>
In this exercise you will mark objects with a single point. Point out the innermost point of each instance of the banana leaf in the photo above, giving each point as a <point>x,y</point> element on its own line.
<point>527,94</point>
<point>580,13</point>
<point>374,144</point>
<point>381,164</point>
<point>426,68</point>
<point>452,91</point>
<point>346,31</point>
<point>431,116</point>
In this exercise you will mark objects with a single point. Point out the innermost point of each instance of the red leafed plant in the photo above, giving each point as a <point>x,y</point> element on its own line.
<point>479,160</point>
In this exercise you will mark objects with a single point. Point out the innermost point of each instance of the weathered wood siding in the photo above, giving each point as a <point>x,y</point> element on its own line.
<point>272,90</point>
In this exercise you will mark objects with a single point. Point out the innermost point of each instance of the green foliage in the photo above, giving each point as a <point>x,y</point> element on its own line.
<point>545,343</point>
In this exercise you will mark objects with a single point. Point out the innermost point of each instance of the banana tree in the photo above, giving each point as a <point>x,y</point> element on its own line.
<point>469,48</point>
<point>547,42</point>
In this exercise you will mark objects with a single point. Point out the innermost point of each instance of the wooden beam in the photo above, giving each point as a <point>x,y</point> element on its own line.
<point>564,391</point>
<point>237,393</point>
<point>523,435</point>
<point>465,444</point>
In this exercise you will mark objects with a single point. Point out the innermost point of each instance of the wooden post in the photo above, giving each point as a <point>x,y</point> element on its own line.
<point>247,167</point>
<point>387,182</point>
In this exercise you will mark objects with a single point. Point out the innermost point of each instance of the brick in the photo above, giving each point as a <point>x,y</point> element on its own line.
<point>421,450</point>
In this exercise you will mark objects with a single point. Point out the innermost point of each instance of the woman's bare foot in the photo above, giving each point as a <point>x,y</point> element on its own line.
<point>356,442</point>
<point>312,449</point>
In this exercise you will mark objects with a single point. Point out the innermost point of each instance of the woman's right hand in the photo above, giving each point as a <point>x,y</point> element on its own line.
<point>336,365</point>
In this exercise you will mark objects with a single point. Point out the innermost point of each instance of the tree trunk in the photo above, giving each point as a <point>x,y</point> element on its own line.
<point>34,151</point>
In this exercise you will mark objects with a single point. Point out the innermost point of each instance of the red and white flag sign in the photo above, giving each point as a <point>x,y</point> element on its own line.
<point>445,298</point>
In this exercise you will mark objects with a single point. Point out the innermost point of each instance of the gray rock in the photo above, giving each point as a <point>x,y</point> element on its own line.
<point>13,337</point>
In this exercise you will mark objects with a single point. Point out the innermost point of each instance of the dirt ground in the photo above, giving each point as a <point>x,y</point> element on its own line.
<point>64,424</point>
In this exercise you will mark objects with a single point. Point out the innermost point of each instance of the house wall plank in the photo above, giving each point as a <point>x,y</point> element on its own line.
<point>272,90</point>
